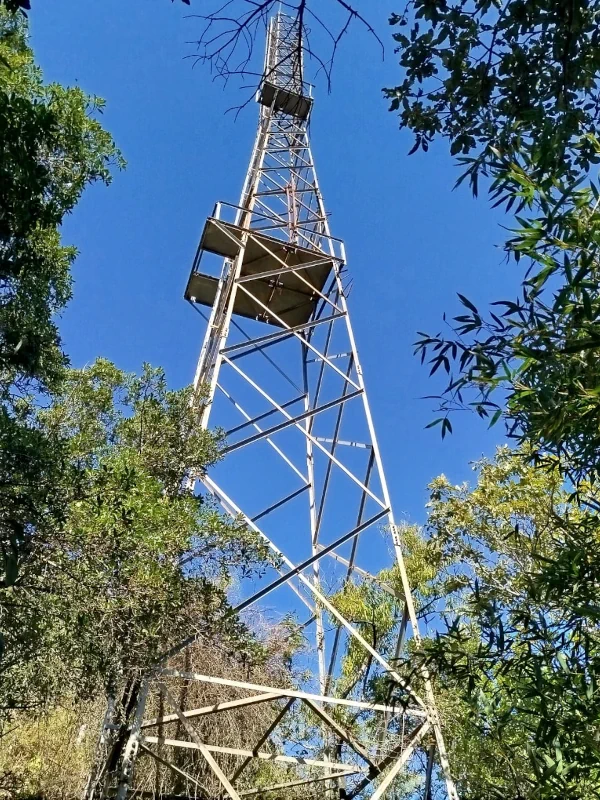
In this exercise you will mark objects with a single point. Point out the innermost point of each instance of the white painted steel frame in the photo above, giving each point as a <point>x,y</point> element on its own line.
<point>281,199</point>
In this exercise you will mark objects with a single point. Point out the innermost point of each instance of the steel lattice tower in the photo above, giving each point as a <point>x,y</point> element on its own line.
<point>284,379</point>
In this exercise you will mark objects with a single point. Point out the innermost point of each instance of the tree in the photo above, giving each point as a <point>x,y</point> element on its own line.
<point>513,86</point>
<point>25,5</point>
<point>136,563</point>
<point>17,5</point>
<point>104,589</point>
<point>511,75</point>
<point>505,578</point>
<point>52,148</point>
<point>517,662</point>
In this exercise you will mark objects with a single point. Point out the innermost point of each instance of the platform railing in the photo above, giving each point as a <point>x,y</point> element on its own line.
<point>310,233</point>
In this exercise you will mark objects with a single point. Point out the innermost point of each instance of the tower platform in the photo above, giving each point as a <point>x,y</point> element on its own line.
<point>286,101</point>
<point>277,276</point>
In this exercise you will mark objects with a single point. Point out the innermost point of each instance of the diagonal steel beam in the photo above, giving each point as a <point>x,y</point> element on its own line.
<point>296,693</point>
<point>278,336</point>
<point>289,422</point>
<point>279,716</point>
<point>291,784</point>
<point>315,441</point>
<point>313,559</point>
<point>206,751</point>
<point>398,758</point>
<point>275,447</point>
<point>266,356</point>
<point>186,776</point>
<point>279,503</point>
<point>212,709</point>
<point>332,449</point>
<point>345,735</point>
<point>261,417</point>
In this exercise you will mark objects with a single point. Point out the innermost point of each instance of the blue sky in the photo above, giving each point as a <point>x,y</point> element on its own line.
<point>411,242</point>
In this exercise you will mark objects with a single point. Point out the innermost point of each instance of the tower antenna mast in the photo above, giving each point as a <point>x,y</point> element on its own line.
<point>279,371</point>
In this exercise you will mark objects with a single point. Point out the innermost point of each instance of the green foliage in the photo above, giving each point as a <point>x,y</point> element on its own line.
<point>513,86</point>
<point>540,351</point>
<point>49,757</point>
<point>17,5</point>
<point>505,578</point>
<point>514,89</point>
<point>373,613</point>
<point>504,74</point>
<point>517,667</point>
<point>52,148</point>
<point>104,590</point>
<point>374,606</point>
<point>25,5</point>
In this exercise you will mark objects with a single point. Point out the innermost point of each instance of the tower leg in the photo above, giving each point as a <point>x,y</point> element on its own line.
<point>132,746</point>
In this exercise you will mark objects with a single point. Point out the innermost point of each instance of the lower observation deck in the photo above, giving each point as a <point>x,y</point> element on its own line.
<point>280,282</point>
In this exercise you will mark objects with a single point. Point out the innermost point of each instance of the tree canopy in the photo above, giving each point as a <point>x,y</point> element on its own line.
<point>505,579</point>
<point>517,663</point>
<point>103,590</point>
<point>53,147</point>
<point>135,563</point>
<point>513,87</point>
<point>94,513</point>
<point>512,76</point>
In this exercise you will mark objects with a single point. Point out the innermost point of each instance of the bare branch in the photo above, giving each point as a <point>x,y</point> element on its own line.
<point>227,39</point>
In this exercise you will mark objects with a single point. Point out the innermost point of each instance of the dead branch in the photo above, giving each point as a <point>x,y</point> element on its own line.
<point>229,34</point>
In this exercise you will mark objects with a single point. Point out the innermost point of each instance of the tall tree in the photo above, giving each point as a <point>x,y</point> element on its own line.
<point>518,661</point>
<point>135,563</point>
<point>104,588</point>
<point>505,578</point>
<point>52,147</point>
<point>513,87</point>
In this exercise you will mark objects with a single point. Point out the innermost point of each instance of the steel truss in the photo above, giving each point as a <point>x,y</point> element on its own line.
<point>287,385</point>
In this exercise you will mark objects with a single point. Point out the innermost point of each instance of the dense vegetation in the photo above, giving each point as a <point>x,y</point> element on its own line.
<point>505,579</point>
<point>513,88</point>
<point>52,148</point>
<point>96,515</point>
<point>518,667</point>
